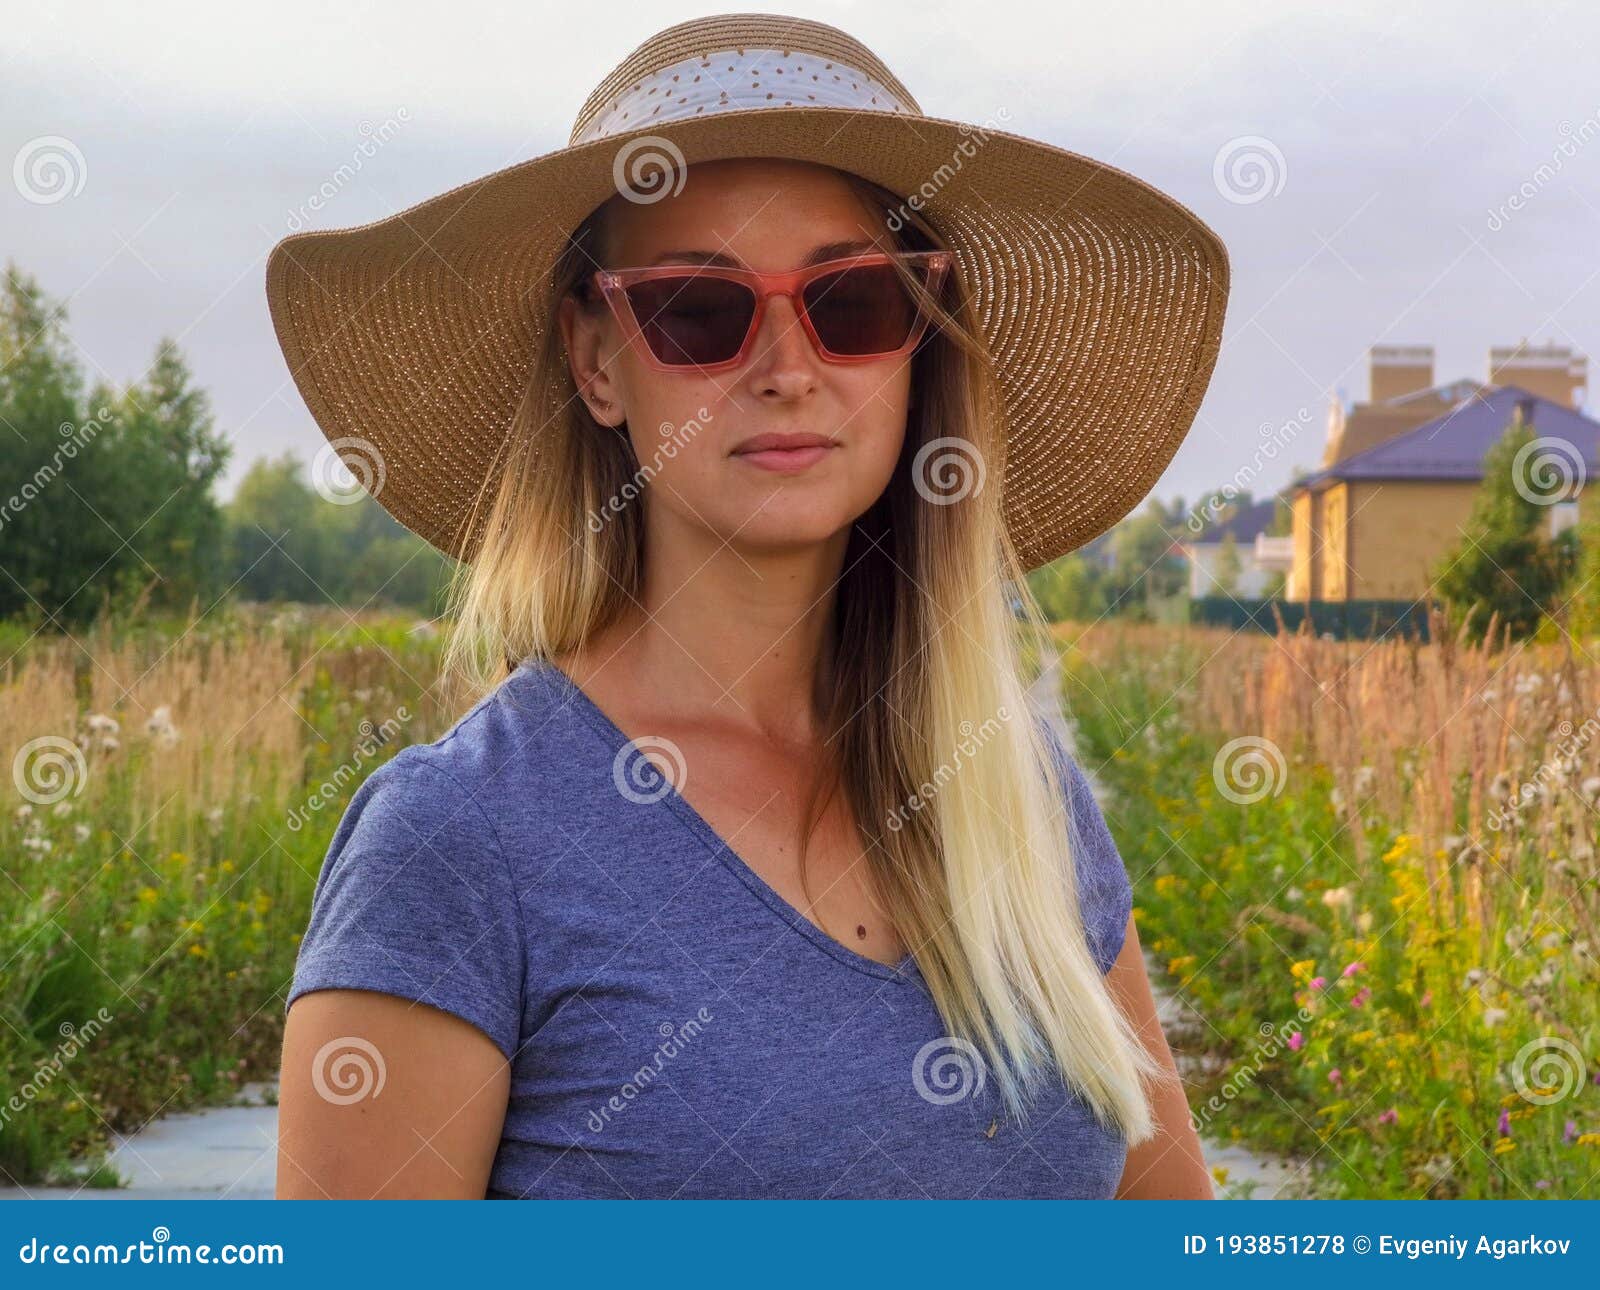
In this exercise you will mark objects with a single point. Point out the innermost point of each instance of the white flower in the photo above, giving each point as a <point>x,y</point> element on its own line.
<point>1493,1016</point>
<point>99,724</point>
<point>1337,898</point>
<point>159,726</point>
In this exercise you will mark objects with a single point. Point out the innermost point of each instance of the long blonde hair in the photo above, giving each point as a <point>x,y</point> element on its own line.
<point>962,809</point>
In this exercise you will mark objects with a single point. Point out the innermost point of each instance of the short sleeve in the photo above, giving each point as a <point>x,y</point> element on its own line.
<point>1105,893</point>
<point>415,899</point>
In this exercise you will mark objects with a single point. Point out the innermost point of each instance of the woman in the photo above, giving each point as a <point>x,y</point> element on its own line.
<point>752,872</point>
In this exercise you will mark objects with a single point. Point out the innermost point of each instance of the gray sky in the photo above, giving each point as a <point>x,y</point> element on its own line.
<point>1394,137</point>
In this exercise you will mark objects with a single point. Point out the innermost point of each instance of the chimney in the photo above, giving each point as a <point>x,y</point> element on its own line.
<point>1551,371</point>
<point>1523,415</point>
<point>1394,370</point>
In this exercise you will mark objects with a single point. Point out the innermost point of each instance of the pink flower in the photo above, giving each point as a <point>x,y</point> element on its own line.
<point>1353,968</point>
<point>1391,1116</point>
<point>1427,998</point>
<point>1335,1078</point>
<point>1570,1132</point>
<point>1360,996</point>
<point>1319,983</point>
<point>1297,1041</point>
<point>1505,1124</point>
<point>1543,1184</point>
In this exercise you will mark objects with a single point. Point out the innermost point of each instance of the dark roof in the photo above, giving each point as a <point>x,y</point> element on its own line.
<point>1453,446</point>
<point>1244,524</point>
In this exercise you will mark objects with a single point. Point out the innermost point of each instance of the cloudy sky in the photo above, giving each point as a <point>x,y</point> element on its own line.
<point>1394,139</point>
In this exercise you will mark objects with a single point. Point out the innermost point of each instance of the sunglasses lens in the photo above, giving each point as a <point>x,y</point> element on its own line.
<point>692,320</point>
<point>862,311</point>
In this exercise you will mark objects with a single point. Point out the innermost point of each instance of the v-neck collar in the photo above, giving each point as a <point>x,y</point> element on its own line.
<point>616,741</point>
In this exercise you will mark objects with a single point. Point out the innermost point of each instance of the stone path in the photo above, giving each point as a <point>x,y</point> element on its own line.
<point>1250,1176</point>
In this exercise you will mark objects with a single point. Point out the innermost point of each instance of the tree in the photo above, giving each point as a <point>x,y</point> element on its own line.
<point>1505,566</point>
<point>104,495</point>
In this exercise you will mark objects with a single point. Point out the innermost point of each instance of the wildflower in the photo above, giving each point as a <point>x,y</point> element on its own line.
<point>1473,977</point>
<point>1220,1173</point>
<point>1297,1041</point>
<point>1303,969</point>
<point>1360,996</point>
<point>148,895</point>
<point>1589,1139</point>
<point>1543,1184</point>
<point>1569,1132</point>
<point>160,728</point>
<point>1365,777</point>
<point>1353,968</point>
<point>198,950</point>
<point>1493,1016</point>
<point>1504,1145</point>
<point>1336,1077</point>
<point>1427,998</point>
<point>99,724</point>
<point>1504,1127</point>
<point>1318,983</point>
<point>1337,898</point>
<point>1391,1116</point>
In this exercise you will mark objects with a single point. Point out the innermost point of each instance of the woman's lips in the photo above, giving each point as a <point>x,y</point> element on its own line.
<point>784,460</point>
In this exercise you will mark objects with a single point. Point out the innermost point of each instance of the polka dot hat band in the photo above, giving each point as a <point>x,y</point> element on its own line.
<point>1100,298</point>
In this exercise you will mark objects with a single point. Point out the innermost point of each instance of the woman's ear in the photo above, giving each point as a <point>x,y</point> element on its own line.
<point>581,332</point>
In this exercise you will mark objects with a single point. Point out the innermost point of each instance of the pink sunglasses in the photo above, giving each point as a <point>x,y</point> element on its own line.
<point>705,317</point>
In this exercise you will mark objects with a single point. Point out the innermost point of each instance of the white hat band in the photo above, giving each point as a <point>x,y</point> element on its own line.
<point>735,79</point>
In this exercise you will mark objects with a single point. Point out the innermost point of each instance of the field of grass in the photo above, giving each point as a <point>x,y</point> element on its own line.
<point>172,792</point>
<point>1369,870</point>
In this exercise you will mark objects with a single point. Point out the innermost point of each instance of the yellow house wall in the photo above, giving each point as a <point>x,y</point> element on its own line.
<point>1399,532</point>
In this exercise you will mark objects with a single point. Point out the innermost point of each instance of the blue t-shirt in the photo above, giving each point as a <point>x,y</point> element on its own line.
<point>675,1028</point>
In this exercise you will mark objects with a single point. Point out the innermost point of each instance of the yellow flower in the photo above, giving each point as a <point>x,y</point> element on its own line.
<point>198,950</point>
<point>1220,1173</point>
<point>1504,1145</point>
<point>1166,883</point>
<point>1181,964</point>
<point>1589,1139</point>
<point>1303,970</point>
<point>148,895</point>
<point>226,866</point>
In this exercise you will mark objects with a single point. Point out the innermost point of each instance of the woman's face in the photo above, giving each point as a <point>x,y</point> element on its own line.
<point>690,430</point>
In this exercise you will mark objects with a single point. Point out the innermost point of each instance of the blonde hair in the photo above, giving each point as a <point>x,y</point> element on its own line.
<point>976,874</point>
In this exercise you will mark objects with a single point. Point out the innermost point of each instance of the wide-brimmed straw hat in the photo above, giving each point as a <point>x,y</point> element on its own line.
<point>1100,298</point>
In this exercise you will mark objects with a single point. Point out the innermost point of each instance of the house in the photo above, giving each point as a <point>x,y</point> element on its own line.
<point>1391,498</point>
<point>1260,557</point>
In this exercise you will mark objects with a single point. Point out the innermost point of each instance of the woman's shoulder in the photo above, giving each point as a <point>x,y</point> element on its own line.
<point>521,737</point>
